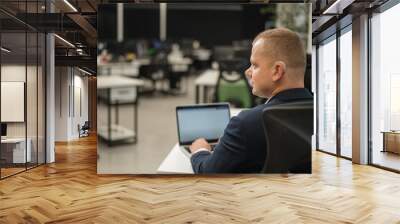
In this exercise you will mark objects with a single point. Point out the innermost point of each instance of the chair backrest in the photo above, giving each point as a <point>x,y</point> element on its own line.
<point>307,73</point>
<point>222,52</point>
<point>145,71</point>
<point>86,125</point>
<point>232,85</point>
<point>288,129</point>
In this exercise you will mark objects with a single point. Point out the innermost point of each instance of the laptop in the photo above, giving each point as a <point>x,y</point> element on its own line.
<point>201,121</point>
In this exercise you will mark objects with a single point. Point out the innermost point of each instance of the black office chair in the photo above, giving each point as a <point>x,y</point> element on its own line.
<point>308,74</point>
<point>84,130</point>
<point>288,129</point>
<point>146,73</point>
<point>152,74</point>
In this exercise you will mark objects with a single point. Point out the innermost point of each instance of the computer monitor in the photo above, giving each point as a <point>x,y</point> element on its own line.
<point>3,129</point>
<point>223,52</point>
<point>206,120</point>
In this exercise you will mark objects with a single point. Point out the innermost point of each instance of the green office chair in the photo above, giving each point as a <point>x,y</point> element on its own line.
<point>232,85</point>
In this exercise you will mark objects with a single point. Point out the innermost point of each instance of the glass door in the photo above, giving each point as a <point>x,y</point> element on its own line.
<point>327,95</point>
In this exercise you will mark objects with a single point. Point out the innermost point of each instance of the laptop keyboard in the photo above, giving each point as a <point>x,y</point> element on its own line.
<point>188,149</point>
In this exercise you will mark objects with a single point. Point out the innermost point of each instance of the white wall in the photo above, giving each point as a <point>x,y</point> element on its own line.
<point>17,73</point>
<point>80,94</point>
<point>33,126</point>
<point>70,83</point>
<point>61,103</point>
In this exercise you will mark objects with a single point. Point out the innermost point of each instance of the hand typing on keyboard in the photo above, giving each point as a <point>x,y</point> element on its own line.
<point>199,144</point>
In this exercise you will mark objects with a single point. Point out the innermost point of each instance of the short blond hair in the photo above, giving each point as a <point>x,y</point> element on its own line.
<point>282,44</point>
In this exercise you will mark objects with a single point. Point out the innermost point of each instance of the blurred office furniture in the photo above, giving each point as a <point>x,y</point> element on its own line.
<point>179,69</point>
<point>246,43</point>
<point>160,70</point>
<point>391,141</point>
<point>155,77</point>
<point>288,129</point>
<point>130,69</point>
<point>3,130</point>
<point>83,130</point>
<point>120,95</point>
<point>223,53</point>
<point>241,52</point>
<point>207,80</point>
<point>186,46</point>
<point>118,68</point>
<point>198,54</point>
<point>148,73</point>
<point>232,85</point>
<point>201,58</point>
<point>115,132</point>
<point>245,54</point>
<point>142,48</point>
<point>202,54</point>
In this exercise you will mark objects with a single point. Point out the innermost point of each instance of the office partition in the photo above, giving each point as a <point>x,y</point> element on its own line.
<point>14,147</point>
<point>22,77</point>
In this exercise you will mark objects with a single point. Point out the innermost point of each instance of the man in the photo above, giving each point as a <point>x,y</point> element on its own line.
<point>277,69</point>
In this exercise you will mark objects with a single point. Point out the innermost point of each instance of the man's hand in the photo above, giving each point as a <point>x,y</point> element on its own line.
<point>200,143</point>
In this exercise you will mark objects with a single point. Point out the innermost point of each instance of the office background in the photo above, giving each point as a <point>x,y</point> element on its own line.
<point>172,48</point>
<point>68,189</point>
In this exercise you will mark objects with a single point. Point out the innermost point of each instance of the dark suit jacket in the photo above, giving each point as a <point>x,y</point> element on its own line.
<point>242,148</point>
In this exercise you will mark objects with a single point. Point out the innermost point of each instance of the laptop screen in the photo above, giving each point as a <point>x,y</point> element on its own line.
<point>202,121</point>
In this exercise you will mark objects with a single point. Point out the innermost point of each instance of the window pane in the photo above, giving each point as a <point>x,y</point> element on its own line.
<point>385,84</point>
<point>41,99</point>
<point>14,150</point>
<point>345,94</point>
<point>31,97</point>
<point>327,97</point>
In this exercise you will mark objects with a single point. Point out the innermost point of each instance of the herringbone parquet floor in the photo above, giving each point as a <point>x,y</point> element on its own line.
<point>69,191</point>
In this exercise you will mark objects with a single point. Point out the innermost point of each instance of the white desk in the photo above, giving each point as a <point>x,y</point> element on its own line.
<point>120,90</point>
<point>116,81</point>
<point>208,78</point>
<point>179,64</point>
<point>19,154</point>
<point>123,68</point>
<point>202,54</point>
<point>177,162</point>
<point>179,60</point>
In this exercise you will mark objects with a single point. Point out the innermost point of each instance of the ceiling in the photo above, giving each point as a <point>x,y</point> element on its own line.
<point>76,20</point>
<point>332,15</point>
<point>73,20</point>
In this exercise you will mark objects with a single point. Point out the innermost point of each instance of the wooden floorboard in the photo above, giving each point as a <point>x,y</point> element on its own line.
<point>70,191</point>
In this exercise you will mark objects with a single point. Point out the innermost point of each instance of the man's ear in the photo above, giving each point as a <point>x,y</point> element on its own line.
<point>279,70</point>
